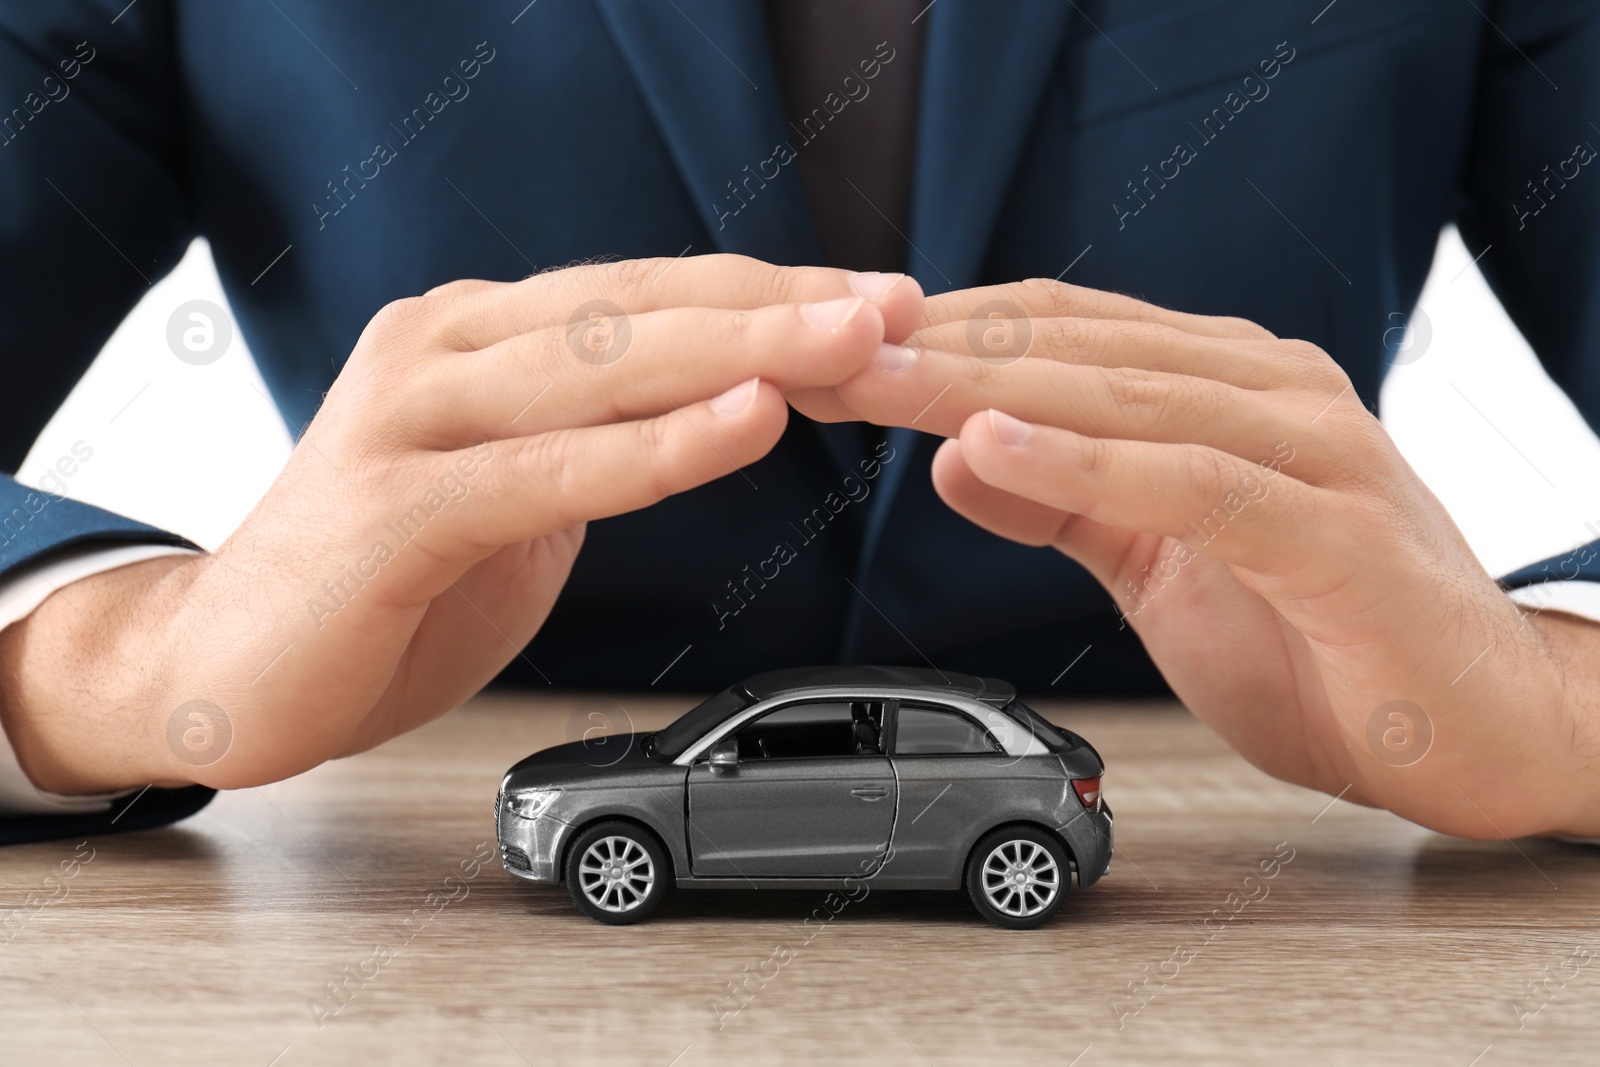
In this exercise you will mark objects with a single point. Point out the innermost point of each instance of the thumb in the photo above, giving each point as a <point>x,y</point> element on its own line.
<point>1107,552</point>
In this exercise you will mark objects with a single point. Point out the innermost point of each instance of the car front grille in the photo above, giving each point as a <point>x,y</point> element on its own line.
<point>516,858</point>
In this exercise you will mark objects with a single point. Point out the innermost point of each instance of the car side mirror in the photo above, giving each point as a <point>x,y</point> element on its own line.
<point>724,756</point>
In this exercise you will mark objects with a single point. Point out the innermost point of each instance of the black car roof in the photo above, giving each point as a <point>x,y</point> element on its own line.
<point>795,680</point>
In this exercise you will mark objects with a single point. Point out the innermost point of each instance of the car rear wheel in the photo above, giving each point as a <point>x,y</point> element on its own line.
<point>1018,877</point>
<point>617,872</point>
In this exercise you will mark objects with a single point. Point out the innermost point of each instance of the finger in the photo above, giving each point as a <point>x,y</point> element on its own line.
<point>461,287</point>
<point>938,391</point>
<point>554,379</point>
<point>1151,346</point>
<point>632,287</point>
<point>533,486</point>
<point>1253,516</point>
<point>1120,560</point>
<point>1104,551</point>
<point>1041,298</point>
<point>821,404</point>
<point>1002,513</point>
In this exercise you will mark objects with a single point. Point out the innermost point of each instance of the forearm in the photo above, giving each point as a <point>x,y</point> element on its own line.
<point>82,682</point>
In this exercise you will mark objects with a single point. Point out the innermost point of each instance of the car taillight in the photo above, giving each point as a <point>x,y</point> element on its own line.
<point>1088,790</point>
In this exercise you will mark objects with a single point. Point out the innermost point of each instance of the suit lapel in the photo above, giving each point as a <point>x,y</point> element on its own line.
<point>706,71</point>
<point>985,69</point>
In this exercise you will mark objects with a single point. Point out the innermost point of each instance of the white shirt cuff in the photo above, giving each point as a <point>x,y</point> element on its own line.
<point>1574,596</point>
<point>20,593</point>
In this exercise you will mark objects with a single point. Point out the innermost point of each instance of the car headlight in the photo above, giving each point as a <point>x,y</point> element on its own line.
<point>531,803</point>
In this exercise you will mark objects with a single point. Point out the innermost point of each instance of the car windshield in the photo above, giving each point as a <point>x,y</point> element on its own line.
<point>692,725</point>
<point>1052,736</point>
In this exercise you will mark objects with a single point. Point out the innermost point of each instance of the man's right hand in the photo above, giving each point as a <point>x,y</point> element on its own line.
<point>429,516</point>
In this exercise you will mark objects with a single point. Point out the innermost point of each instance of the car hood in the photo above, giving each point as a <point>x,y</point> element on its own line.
<point>595,763</point>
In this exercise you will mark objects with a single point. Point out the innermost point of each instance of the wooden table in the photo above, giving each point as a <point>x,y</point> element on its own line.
<point>1244,921</point>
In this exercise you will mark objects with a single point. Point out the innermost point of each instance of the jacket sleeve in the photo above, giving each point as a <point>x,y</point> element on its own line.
<point>1531,208</point>
<point>93,210</point>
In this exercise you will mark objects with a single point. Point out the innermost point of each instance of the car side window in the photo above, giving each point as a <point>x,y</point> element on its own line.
<point>925,730</point>
<point>810,731</point>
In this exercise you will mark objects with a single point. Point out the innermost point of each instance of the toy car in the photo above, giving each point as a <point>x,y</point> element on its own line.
<point>826,777</point>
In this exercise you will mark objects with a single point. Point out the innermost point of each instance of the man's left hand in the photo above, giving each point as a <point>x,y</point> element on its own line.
<point>1300,589</point>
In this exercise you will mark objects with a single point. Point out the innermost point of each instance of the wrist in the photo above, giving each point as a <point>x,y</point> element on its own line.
<point>1571,647</point>
<point>82,675</point>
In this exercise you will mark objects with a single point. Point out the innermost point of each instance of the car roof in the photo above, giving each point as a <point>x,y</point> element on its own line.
<point>796,680</point>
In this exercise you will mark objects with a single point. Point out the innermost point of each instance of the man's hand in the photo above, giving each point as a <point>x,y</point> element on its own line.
<point>1300,589</point>
<point>429,516</point>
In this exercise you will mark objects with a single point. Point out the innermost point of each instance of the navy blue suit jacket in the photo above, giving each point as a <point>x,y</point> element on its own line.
<point>1288,161</point>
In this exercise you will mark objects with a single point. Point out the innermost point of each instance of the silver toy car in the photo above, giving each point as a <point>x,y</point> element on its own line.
<point>827,777</point>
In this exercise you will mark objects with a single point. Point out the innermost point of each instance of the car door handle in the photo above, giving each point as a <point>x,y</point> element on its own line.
<point>869,792</point>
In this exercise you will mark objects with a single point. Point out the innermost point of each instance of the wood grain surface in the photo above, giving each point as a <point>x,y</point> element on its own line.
<point>1244,922</point>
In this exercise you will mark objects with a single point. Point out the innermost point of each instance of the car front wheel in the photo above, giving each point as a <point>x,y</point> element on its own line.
<point>617,872</point>
<point>1018,877</point>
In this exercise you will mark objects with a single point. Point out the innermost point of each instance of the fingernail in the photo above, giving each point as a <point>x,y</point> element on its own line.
<point>873,284</point>
<point>736,399</point>
<point>832,314</point>
<point>891,358</point>
<point>1007,430</point>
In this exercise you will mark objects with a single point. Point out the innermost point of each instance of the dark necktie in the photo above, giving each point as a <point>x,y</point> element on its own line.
<point>850,75</point>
